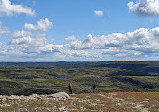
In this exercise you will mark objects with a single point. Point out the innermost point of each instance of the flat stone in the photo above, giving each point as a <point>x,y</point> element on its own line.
<point>60,95</point>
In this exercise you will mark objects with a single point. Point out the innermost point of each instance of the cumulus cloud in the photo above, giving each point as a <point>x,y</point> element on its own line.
<point>28,40</point>
<point>98,13</point>
<point>19,34</point>
<point>101,42</point>
<point>63,50</point>
<point>6,8</point>
<point>131,45</point>
<point>29,44</point>
<point>42,25</point>
<point>145,7</point>
<point>140,42</point>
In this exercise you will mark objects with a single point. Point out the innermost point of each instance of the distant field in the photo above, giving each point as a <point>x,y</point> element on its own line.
<point>25,78</point>
<point>99,102</point>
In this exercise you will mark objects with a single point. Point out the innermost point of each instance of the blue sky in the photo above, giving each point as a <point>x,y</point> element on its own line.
<point>83,30</point>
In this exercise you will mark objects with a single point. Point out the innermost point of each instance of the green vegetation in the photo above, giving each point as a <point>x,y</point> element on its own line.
<point>45,78</point>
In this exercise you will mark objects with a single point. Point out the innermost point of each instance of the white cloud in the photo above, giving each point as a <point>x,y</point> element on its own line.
<point>19,34</point>
<point>3,29</point>
<point>42,25</point>
<point>28,41</point>
<point>71,38</point>
<point>145,7</point>
<point>119,52</point>
<point>102,42</point>
<point>139,42</point>
<point>73,53</point>
<point>6,8</point>
<point>98,13</point>
<point>29,44</point>
<point>66,52</point>
<point>135,45</point>
<point>131,45</point>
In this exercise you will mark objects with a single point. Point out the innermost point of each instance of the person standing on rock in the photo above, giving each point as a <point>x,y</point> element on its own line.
<point>70,88</point>
<point>94,87</point>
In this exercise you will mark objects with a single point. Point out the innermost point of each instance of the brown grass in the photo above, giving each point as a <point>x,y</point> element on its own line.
<point>99,102</point>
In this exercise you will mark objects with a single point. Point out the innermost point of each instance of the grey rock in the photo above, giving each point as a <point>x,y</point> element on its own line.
<point>60,95</point>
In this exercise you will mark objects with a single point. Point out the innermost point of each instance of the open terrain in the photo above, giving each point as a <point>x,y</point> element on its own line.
<point>98,102</point>
<point>121,86</point>
<point>51,77</point>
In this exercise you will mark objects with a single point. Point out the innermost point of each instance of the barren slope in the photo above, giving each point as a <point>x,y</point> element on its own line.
<point>99,102</point>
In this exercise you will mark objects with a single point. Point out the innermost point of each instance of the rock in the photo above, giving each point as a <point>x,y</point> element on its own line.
<point>60,95</point>
<point>65,94</point>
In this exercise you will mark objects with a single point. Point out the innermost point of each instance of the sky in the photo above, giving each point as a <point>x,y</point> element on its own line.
<point>79,30</point>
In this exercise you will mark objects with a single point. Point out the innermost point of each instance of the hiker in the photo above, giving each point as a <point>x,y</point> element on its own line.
<point>94,87</point>
<point>70,88</point>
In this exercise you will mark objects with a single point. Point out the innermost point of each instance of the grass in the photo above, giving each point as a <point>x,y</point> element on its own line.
<point>99,102</point>
<point>15,78</point>
<point>121,86</point>
<point>81,79</point>
<point>149,99</point>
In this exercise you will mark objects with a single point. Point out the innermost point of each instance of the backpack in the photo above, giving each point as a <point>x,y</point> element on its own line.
<point>70,85</point>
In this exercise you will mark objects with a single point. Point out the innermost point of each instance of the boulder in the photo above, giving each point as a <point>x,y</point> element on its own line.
<point>60,95</point>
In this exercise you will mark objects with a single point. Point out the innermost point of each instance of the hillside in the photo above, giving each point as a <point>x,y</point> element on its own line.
<point>50,77</point>
<point>99,102</point>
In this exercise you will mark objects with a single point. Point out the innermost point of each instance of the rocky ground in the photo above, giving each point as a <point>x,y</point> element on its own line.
<point>98,102</point>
